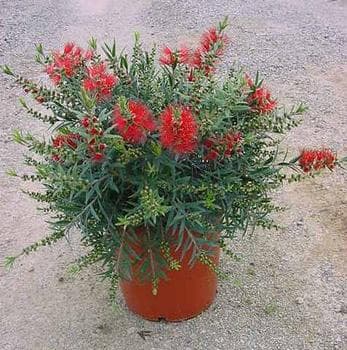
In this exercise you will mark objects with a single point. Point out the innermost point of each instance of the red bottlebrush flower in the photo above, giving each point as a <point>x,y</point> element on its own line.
<point>167,57</point>
<point>315,160</point>
<point>120,122</point>
<point>184,55</point>
<point>204,58</point>
<point>65,63</point>
<point>50,69</point>
<point>212,155</point>
<point>142,116</point>
<point>89,85</point>
<point>78,51</point>
<point>167,129</point>
<point>98,81</point>
<point>196,59</point>
<point>56,78</point>
<point>222,146</point>
<point>178,131</point>
<point>89,55</point>
<point>135,123</point>
<point>211,147</point>
<point>68,48</point>
<point>260,101</point>
<point>97,70</point>
<point>134,134</point>
<point>109,81</point>
<point>69,140</point>
<point>58,141</point>
<point>96,149</point>
<point>232,141</point>
<point>210,38</point>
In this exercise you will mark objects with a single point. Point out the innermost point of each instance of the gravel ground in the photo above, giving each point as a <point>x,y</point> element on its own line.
<point>288,291</point>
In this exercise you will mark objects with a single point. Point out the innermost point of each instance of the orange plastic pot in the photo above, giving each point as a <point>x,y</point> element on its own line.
<point>185,294</point>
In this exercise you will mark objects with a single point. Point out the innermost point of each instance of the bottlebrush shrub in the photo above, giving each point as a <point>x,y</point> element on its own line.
<point>156,153</point>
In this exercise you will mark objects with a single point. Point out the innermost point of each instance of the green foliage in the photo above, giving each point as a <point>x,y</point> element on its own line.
<point>11,172</point>
<point>7,70</point>
<point>271,309</point>
<point>9,261</point>
<point>84,261</point>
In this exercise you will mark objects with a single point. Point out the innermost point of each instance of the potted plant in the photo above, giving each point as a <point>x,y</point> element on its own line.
<point>158,164</point>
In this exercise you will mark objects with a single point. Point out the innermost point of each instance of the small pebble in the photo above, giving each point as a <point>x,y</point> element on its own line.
<point>299,301</point>
<point>300,222</point>
<point>342,309</point>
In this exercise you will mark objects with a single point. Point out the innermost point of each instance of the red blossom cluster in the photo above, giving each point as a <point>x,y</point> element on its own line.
<point>67,62</point>
<point>204,57</point>
<point>212,37</point>
<point>135,122</point>
<point>315,160</point>
<point>98,81</point>
<point>169,57</point>
<point>212,44</point>
<point>92,125</point>
<point>178,130</point>
<point>70,140</point>
<point>225,145</point>
<point>95,147</point>
<point>259,99</point>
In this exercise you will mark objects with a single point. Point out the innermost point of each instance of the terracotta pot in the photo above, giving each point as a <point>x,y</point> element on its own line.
<point>185,294</point>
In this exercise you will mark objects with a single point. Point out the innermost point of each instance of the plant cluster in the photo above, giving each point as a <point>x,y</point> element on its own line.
<point>149,157</point>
